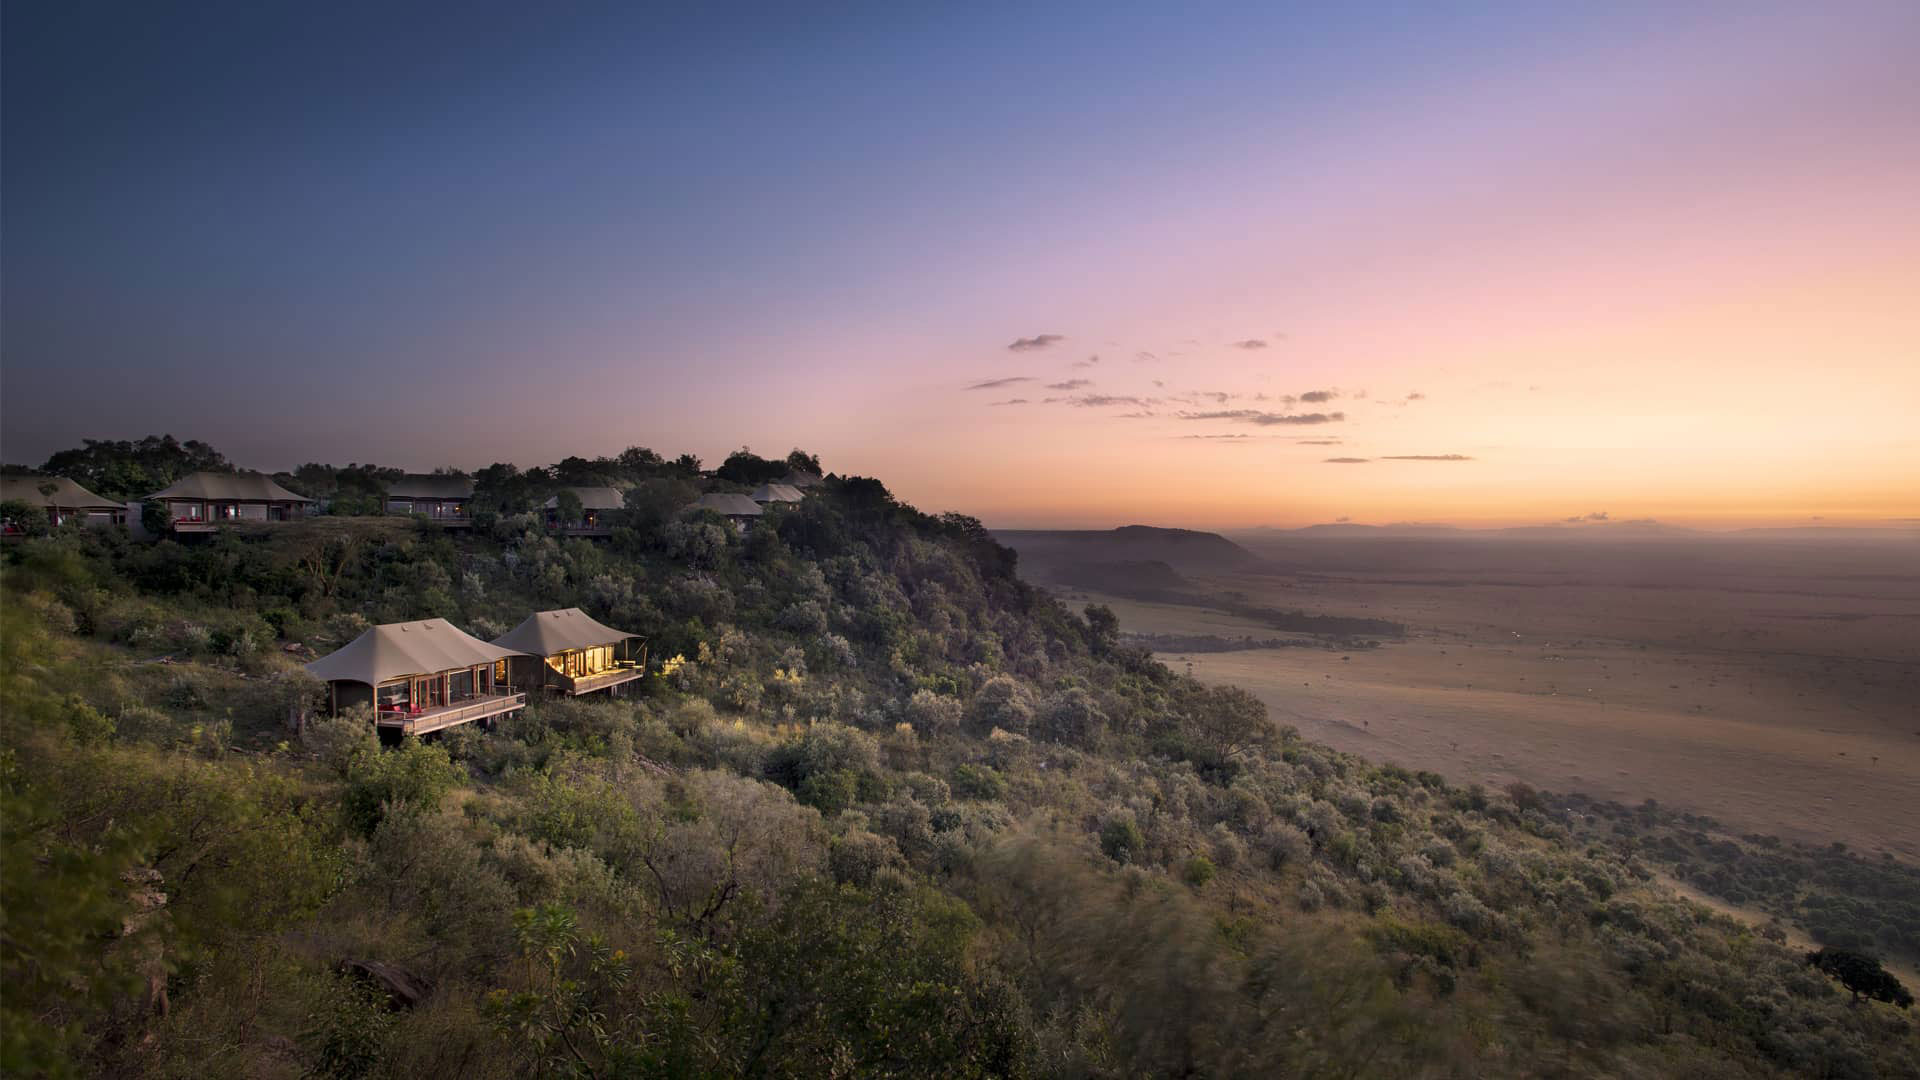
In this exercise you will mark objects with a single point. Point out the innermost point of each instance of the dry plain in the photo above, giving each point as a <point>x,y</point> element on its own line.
<point>1773,685</point>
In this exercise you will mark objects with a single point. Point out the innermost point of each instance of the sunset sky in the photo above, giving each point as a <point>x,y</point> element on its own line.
<point>1186,265</point>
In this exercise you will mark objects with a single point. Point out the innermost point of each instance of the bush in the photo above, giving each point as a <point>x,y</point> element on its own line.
<point>935,714</point>
<point>1121,839</point>
<point>416,776</point>
<point>978,782</point>
<point>1198,871</point>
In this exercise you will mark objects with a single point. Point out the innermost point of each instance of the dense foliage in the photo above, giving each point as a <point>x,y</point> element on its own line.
<point>883,810</point>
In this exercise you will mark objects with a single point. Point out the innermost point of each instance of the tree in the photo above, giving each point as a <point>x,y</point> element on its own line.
<point>749,469</point>
<point>1229,722</point>
<point>567,508</point>
<point>23,516</point>
<point>502,488</point>
<point>801,461</point>
<point>1103,629</point>
<point>131,470</point>
<point>1862,975</point>
<point>652,503</point>
<point>1071,716</point>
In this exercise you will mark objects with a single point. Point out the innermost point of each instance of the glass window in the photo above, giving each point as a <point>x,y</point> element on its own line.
<point>459,685</point>
<point>394,694</point>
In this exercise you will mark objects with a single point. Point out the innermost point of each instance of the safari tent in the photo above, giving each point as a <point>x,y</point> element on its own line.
<point>443,500</point>
<point>419,676</point>
<point>736,508</point>
<point>594,504</point>
<point>62,499</point>
<point>569,652</point>
<point>198,502</point>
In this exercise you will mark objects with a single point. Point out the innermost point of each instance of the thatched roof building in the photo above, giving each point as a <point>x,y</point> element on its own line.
<point>732,505</point>
<point>203,499</point>
<point>62,499</point>
<point>776,493</point>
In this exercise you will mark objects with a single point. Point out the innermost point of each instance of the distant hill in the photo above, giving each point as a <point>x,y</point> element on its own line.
<point>1137,579</point>
<point>1181,550</point>
<point>1587,530</point>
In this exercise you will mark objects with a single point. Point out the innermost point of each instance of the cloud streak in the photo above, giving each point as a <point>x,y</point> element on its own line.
<point>1266,419</point>
<point>1070,384</point>
<point>1250,344</point>
<point>1346,461</point>
<point>1319,397</point>
<point>995,384</point>
<point>1037,341</point>
<point>1425,457</point>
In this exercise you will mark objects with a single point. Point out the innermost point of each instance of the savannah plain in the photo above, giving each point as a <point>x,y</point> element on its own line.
<point>1771,684</point>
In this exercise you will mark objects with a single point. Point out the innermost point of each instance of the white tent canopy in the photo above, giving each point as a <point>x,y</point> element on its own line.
<point>592,498</point>
<point>781,493</point>
<point>228,487</point>
<point>396,650</point>
<point>728,505</point>
<point>546,633</point>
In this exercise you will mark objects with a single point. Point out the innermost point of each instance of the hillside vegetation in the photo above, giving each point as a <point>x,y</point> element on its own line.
<point>884,810</point>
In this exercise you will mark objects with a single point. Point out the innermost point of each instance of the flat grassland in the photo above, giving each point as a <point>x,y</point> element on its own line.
<point>1773,685</point>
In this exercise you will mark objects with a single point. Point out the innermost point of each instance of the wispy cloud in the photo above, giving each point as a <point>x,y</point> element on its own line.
<point>1145,357</point>
<point>1319,442</point>
<point>1100,401</point>
<point>1250,343</point>
<point>1088,362</point>
<point>1416,396</point>
<point>1241,435</point>
<point>1037,341</point>
<point>1319,397</point>
<point>1425,457</point>
<point>1009,401</point>
<point>1070,384</point>
<point>1266,419</point>
<point>1346,461</point>
<point>1597,515</point>
<point>995,384</point>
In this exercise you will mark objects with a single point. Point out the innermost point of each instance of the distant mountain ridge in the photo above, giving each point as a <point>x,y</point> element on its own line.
<point>1183,550</point>
<point>1595,530</point>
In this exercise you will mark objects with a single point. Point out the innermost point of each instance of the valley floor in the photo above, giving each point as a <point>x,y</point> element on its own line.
<point>1779,707</point>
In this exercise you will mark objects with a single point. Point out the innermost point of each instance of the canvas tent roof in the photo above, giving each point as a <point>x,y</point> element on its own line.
<point>420,486</point>
<point>593,498</point>
<point>545,633</point>
<point>238,487</point>
<point>408,648</point>
<point>800,479</point>
<point>65,494</point>
<point>767,493</point>
<point>728,505</point>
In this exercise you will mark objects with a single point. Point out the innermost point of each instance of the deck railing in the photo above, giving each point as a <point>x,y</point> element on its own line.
<point>586,684</point>
<point>446,716</point>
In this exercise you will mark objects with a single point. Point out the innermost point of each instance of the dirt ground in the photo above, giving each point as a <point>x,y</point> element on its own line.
<point>1773,686</point>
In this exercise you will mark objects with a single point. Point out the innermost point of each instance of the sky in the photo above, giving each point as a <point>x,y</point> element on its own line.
<point>1200,265</point>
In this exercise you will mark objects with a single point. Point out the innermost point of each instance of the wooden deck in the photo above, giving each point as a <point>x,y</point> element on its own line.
<point>446,716</point>
<point>587,684</point>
